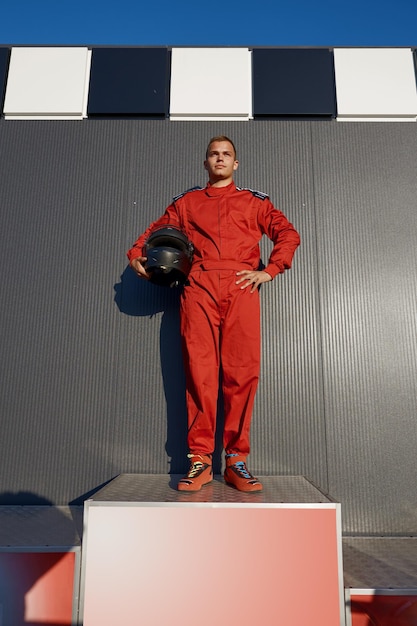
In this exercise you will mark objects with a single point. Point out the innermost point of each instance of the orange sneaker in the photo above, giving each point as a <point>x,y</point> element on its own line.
<point>200,473</point>
<point>238,476</point>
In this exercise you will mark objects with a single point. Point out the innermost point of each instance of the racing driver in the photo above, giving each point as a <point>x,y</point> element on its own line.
<point>219,308</point>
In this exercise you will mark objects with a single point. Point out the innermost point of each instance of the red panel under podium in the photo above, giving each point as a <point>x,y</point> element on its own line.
<point>153,556</point>
<point>380,580</point>
<point>39,565</point>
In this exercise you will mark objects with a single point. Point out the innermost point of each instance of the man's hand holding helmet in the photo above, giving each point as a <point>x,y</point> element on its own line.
<point>138,268</point>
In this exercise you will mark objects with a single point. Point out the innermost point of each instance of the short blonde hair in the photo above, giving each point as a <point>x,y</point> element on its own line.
<point>220,138</point>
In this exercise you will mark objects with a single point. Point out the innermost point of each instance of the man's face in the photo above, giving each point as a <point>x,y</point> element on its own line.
<point>221,161</point>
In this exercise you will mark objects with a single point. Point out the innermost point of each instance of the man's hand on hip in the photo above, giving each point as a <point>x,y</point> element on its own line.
<point>252,279</point>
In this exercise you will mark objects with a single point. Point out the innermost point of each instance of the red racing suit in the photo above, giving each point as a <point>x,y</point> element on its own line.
<point>220,322</point>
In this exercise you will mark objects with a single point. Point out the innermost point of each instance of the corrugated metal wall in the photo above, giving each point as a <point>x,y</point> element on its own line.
<point>92,380</point>
<point>366,194</point>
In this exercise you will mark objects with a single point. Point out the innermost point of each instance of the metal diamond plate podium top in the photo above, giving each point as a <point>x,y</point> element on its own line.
<point>131,488</point>
<point>44,528</point>
<point>380,562</point>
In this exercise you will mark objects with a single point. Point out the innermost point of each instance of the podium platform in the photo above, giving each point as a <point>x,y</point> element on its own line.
<point>40,560</point>
<point>153,555</point>
<point>380,576</point>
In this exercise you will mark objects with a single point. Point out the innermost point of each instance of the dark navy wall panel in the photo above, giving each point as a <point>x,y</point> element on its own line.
<point>129,81</point>
<point>4,68</point>
<point>293,82</point>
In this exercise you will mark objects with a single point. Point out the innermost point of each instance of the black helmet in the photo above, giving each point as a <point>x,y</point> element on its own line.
<point>169,256</point>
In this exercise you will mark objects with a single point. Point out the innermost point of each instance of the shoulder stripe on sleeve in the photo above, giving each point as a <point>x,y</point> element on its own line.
<point>257,194</point>
<point>180,195</point>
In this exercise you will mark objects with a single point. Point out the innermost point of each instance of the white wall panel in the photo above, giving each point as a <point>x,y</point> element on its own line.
<point>47,83</point>
<point>211,83</point>
<point>375,83</point>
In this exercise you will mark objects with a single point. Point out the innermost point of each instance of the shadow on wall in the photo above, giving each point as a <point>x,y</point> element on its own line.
<point>139,298</point>
<point>35,582</point>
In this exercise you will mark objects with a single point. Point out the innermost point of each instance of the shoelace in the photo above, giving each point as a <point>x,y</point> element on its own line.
<point>195,468</point>
<point>242,469</point>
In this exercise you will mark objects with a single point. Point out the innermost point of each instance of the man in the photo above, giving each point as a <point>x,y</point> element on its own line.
<point>220,315</point>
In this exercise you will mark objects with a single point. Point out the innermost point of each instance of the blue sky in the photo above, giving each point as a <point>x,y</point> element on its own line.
<point>190,22</point>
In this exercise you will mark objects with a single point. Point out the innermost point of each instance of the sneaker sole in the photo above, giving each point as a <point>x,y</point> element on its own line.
<point>243,490</point>
<point>193,490</point>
